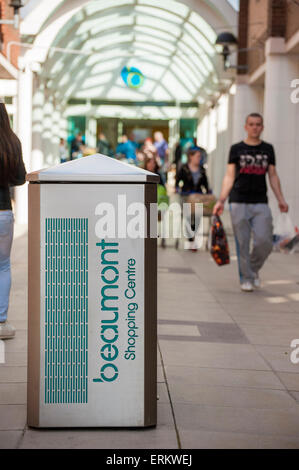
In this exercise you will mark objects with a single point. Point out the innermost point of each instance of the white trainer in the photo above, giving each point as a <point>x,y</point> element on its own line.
<point>257,282</point>
<point>247,287</point>
<point>7,330</point>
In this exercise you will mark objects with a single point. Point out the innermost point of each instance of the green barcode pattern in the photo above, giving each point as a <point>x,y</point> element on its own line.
<point>66,310</point>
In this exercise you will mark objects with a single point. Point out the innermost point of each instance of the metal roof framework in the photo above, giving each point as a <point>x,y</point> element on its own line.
<point>171,42</point>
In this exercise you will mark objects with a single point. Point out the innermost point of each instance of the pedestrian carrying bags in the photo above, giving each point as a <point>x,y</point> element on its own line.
<point>219,244</point>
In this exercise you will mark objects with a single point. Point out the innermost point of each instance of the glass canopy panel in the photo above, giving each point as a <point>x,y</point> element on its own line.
<point>155,22</point>
<point>177,7</point>
<point>98,5</point>
<point>199,23</point>
<point>160,13</point>
<point>199,41</point>
<point>157,33</point>
<point>107,40</point>
<point>182,77</point>
<point>105,22</point>
<point>166,41</point>
<point>175,87</point>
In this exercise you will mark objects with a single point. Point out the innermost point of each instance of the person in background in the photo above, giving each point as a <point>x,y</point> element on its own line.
<point>104,146</point>
<point>245,184</point>
<point>12,173</point>
<point>149,148</point>
<point>77,146</point>
<point>126,148</point>
<point>192,178</point>
<point>150,164</point>
<point>162,148</point>
<point>62,151</point>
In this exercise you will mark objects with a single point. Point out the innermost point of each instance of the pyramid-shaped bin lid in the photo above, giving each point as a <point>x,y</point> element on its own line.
<point>94,168</point>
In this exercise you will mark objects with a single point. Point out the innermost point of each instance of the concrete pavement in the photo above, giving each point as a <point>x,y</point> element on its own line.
<point>225,378</point>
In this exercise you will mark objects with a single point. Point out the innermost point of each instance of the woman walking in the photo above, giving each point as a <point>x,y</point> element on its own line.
<point>192,179</point>
<point>12,173</point>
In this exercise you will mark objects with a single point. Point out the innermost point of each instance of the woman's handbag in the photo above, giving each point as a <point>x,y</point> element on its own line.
<point>207,200</point>
<point>219,244</point>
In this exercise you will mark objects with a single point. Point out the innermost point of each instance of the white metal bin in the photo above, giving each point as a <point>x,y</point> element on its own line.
<point>92,299</point>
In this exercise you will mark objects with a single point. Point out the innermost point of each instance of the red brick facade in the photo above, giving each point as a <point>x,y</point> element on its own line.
<point>261,19</point>
<point>8,32</point>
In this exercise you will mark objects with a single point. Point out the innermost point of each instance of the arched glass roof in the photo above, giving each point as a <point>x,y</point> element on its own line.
<point>172,45</point>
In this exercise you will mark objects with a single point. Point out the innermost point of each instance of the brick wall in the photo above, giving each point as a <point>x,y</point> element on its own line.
<point>266,18</point>
<point>292,18</point>
<point>243,35</point>
<point>8,32</point>
<point>277,18</point>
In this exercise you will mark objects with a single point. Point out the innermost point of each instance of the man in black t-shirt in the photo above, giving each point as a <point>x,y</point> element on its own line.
<point>245,184</point>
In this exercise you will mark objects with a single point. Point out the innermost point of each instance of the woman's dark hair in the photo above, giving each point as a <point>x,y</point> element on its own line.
<point>192,152</point>
<point>10,150</point>
<point>149,158</point>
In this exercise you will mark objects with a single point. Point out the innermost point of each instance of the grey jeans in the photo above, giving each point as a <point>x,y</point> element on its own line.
<point>247,220</point>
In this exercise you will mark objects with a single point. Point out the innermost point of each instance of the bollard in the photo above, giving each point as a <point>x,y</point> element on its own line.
<point>92,290</point>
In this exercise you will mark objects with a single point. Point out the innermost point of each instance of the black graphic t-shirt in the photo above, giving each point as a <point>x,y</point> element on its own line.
<point>252,163</point>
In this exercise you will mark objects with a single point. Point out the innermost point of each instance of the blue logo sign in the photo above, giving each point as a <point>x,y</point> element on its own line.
<point>132,77</point>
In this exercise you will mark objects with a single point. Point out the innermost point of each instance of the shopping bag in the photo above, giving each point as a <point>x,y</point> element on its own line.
<point>207,200</point>
<point>284,231</point>
<point>219,244</point>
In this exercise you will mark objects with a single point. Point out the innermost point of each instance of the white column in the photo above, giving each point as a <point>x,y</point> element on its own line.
<point>282,121</point>
<point>174,137</point>
<point>37,125</point>
<point>48,132</point>
<point>91,132</point>
<point>248,99</point>
<point>25,136</point>
<point>56,134</point>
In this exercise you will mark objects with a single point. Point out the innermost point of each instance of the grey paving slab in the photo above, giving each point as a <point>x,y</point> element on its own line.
<point>224,377</point>
<point>161,437</point>
<point>226,440</point>
<point>162,392</point>
<point>14,359</point>
<point>245,420</point>
<point>278,358</point>
<point>290,380</point>
<point>219,355</point>
<point>18,344</point>
<point>160,375</point>
<point>197,311</point>
<point>183,330</point>
<point>12,417</point>
<point>231,396</point>
<point>10,439</point>
<point>295,395</point>
<point>13,374</point>
<point>13,393</point>
<point>259,318</point>
<point>269,335</point>
<point>202,439</point>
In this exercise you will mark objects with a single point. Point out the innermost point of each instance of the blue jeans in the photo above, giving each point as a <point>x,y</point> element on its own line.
<point>6,236</point>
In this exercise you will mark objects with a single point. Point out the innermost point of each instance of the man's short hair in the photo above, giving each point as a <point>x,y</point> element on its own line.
<point>255,115</point>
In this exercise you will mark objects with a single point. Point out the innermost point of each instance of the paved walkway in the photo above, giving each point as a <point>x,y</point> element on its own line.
<point>225,375</point>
